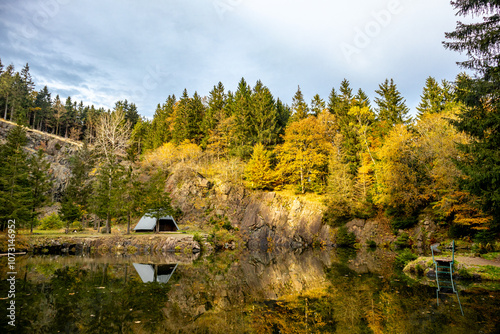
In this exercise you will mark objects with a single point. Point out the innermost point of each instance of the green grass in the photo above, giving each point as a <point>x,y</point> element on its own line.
<point>491,256</point>
<point>489,272</point>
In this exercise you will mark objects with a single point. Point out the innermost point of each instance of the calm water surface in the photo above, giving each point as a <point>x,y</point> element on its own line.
<point>308,292</point>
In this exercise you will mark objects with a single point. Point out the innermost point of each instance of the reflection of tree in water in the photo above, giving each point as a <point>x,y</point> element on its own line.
<point>229,293</point>
<point>91,300</point>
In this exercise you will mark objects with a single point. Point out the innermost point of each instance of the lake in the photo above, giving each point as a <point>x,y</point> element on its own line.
<point>315,291</point>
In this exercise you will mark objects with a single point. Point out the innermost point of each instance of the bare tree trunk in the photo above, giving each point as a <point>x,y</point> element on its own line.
<point>6,107</point>
<point>108,223</point>
<point>128,223</point>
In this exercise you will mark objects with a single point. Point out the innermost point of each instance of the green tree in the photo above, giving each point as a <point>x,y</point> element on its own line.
<point>215,112</point>
<point>44,104</point>
<point>480,115</point>
<point>75,203</point>
<point>264,116</point>
<point>156,201</point>
<point>111,143</point>
<point>241,108</point>
<point>6,83</point>
<point>15,191</point>
<point>435,98</point>
<point>300,109</point>
<point>40,184</point>
<point>317,105</point>
<point>391,107</point>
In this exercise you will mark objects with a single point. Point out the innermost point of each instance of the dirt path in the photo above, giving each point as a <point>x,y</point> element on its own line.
<point>477,261</point>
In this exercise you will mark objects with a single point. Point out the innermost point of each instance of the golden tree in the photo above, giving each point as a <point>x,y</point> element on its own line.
<point>303,157</point>
<point>258,172</point>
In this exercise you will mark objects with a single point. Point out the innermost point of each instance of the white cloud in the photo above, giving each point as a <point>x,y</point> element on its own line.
<point>144,51</point>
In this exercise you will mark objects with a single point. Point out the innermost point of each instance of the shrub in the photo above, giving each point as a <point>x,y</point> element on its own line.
<point>403,258</point>
<point>484,237</point>
<point>51,222</point>
<point>403,241</point>
<point>371,244</point>
<point>345,238</point>
<point>336,215</point>
<point>76,225</point>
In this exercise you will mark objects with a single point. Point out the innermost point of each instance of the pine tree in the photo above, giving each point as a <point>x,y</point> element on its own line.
<point>264,119</point>
<point>432,98</point>
<point>391,107</point>
<point>215,112</point>
<point>75,202</point>
<point>480,116</point>
<point>15,191</point>
<point>6,87</point>
<point>283,114</point>
<point>242,112</point>
<point>40,183</point>
<point>361,99</point>
<point>300,109</point>
<point>317,105</point>
<point>156,201</point>
<point>44,103</point>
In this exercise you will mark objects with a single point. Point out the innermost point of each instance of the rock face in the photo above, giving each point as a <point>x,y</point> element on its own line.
<point>266,219</point>
<point>57,150</point>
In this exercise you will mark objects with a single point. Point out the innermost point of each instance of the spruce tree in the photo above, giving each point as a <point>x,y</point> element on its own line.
<point>317,105</point>
<point>300,109</point>
<point>15,189</point>
<point>480,116</point>
<point>215,112</point>
<point>242,112</point>
<point>432,98</point>
<point>40,184</point>
<point>391,106</point>
<point>264,116</point>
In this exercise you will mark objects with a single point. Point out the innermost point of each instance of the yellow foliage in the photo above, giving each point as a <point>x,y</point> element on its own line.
<point>258,172</point>
<point>168,154</point>
<point>397,170</point>
<point>303,157</point>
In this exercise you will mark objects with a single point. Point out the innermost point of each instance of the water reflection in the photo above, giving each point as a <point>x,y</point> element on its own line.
<point>160,273</point>
<point>296,292</point>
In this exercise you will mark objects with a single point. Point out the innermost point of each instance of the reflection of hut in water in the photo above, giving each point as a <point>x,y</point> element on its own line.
<point>148,224</point>
<point>160,273</point>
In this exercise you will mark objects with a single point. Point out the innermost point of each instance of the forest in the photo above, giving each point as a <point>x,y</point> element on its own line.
<point>363,158</point>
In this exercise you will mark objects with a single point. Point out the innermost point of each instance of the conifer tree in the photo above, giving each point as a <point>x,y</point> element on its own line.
<point>15,191</point>
<point>215,112</point>
<point>241,108</point>
<point>39,182</point>
<point>264,119</point>
<point>44,104</point>
<point>76,202</point>
<point>432,98</point>
<point>317,105</point>
<point>156,201</point>
<point>480,116</point>
<point>391,107</point>
<point>300,109</point>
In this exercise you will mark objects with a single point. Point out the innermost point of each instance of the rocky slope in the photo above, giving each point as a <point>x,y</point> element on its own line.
<point>57,150</point>
<point>265,219</point>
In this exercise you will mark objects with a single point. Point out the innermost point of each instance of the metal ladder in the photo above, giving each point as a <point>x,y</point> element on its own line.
<point>444,274</point>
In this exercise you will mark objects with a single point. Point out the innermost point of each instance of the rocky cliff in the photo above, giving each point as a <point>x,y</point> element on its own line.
<point>57,150</point>
<point>265,219</point>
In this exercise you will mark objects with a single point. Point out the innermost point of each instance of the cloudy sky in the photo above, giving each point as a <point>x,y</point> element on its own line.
<point>102,51</point>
